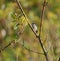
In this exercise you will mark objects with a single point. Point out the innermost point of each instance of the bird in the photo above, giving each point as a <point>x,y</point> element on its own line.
<point>34,26</point>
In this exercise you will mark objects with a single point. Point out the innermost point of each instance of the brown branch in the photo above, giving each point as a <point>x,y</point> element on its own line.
<point>6,46</point>
<point>45,53</point>
<point>42,15</point>
<point>13,42</point>
<point>33,51</point>
<point>30,49</point>
<point>19,5</point>
<point>33,32</point>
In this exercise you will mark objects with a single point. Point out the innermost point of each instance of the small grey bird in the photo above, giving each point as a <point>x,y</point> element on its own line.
<point>34,27</point>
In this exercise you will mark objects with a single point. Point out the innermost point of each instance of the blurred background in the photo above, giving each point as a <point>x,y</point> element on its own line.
<point>13,27</point>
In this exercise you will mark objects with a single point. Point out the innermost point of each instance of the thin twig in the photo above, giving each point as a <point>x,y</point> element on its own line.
<point>30,49</point>
<point>33,51</point>
<point>6,46</point>
<point>42,15</point>
<point>21,45</point>
<point>19,5</point>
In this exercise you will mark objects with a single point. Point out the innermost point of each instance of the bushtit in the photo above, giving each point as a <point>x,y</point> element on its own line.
<point>34,27</point>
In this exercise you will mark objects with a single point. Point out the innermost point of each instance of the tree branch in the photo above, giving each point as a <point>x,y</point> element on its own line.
<point>42,15</point>
<point>19,5</point>
<point>6,46</point>
<point>13,42</point>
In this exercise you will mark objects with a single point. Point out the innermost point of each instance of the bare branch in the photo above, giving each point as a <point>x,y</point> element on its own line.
<point>33,51</point>
<point>21,45</point>
<point>30,49</point>
<point>7,46</point>
<point>19,5</point>
<point>42,15</point>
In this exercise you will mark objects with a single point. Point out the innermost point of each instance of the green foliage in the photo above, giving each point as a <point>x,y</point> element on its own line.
<point>17,29</point>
